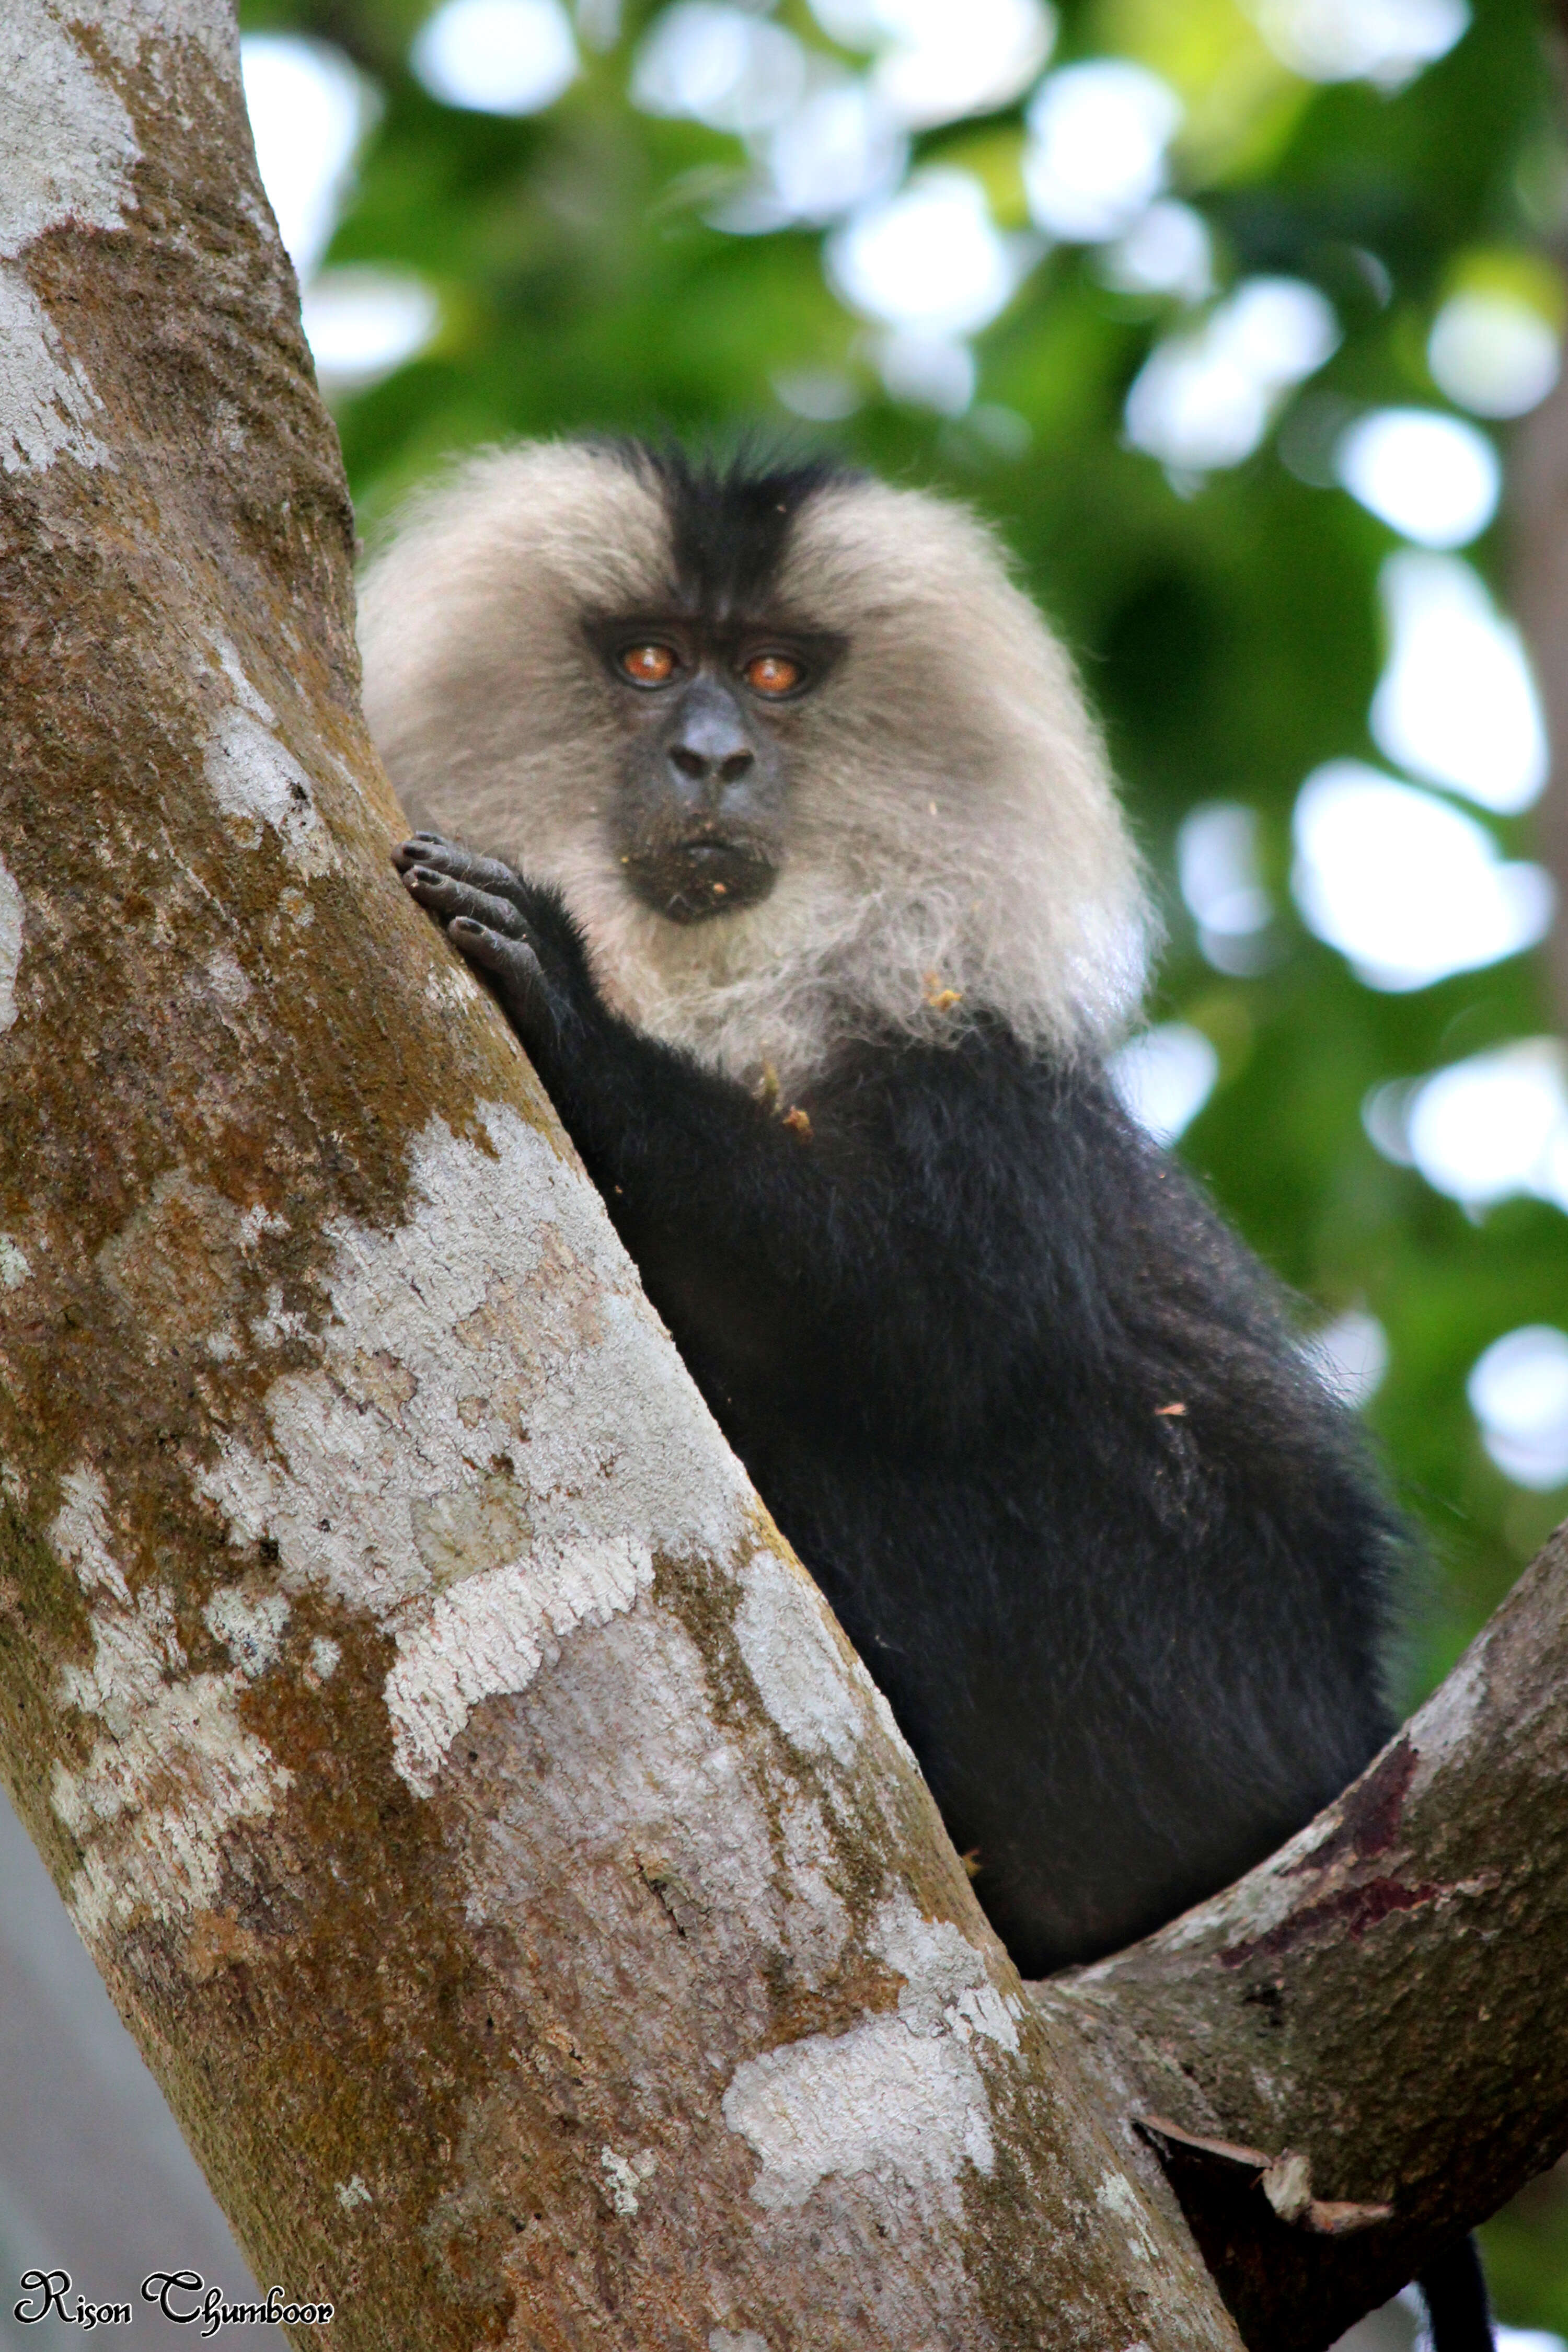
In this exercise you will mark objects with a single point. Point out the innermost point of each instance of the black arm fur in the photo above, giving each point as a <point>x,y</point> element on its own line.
<point>1134,1647</point>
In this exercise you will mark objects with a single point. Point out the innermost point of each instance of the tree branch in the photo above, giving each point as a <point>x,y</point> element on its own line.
<point>1387,1999</point>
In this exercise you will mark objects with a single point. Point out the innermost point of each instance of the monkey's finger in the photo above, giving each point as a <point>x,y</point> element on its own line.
<point>421,849</point>
<point>512,962</point>
<point>446,897</point>
<point>450,857</point>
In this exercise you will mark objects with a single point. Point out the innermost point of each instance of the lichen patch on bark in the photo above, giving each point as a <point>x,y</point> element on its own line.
<point>495,1440</point>
<point>172,1768</point>
<point>898,2099</point>
<point>11,908</point>
<point>67,146</point>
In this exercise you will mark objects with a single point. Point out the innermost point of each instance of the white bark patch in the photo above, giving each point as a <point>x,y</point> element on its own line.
<point>79,1534</point>
<point>226,978</point>
<point>11,900</point>
<point>1115,2195</point>
<point>258,782</point>
<point>251,1629</point>
<point>492,1632</point>
<point>1445,1723</point>
<point>67,147</point>
<point>625,2177</point>
<point>499,1438</point>
<point>47,403</point>
<point>901,2098</point>
<point>67,152</point>
<point>175,1769</point>
<point>816,1923</point>
<point>720,2339</point>
<point>15,1269</point>
<point>879,2099</point>
<point>801,1674</point>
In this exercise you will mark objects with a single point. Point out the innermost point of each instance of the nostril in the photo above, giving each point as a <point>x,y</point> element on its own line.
<point>690,763</point>
<point>737,765</point>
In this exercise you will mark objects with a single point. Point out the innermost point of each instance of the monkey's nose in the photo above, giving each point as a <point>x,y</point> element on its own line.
<point>705,766</point>
<point>708,745</point>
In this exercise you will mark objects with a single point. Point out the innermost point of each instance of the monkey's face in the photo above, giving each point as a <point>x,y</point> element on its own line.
<point>708,713</point>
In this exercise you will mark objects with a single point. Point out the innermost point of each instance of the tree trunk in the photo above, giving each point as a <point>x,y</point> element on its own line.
<point>514,1881</point>
<point>521,1891</point>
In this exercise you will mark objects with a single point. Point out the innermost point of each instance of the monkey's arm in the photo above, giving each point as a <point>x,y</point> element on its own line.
<point>836,1267</point>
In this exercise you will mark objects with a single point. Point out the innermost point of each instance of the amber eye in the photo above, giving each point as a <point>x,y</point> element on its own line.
<point>648,665</point>
<point>773,674</point>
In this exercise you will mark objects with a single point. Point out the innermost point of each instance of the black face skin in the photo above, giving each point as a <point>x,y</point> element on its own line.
<point>706,710</point>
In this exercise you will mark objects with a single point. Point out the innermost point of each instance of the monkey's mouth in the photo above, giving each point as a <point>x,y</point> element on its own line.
<point>706,875</point>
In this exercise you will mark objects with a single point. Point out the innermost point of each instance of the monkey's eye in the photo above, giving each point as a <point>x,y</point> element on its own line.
<point>651,665</point>
<point>773,674</point>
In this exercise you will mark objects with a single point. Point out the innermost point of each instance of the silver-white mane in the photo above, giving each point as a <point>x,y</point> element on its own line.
<point>955,846</point>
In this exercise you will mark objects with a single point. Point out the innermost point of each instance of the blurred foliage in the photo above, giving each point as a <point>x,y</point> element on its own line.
<point>1230,632</point>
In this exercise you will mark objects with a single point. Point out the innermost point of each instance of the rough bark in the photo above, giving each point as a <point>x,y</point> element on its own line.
<point>521,1894</point>
<point>1385,1999</point>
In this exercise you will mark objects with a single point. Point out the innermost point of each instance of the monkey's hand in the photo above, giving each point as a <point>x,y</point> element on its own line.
<point>517,932</point>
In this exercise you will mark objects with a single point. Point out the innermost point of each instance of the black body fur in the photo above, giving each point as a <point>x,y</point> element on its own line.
<point>1133,1648</point>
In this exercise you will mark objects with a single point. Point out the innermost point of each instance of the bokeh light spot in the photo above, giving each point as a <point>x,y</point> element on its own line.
<point>1164,1077</point>
<point>1404,885</point>
<point>496,57</point>
<point>1457,704</point>
<point>309,108</point>
<point>1350,1356</point>
<point>1431,477</point>
<point>1096,152</point>
<point>1384,41</point>
<point>1206,400</point>
<point>930,259</point>
<point>1167,250</point>
<point>719,66</point>
<point>1219,870</point>
<point>1492,353</point>
<point>1519,1392</point>
<point>1491,1127</point>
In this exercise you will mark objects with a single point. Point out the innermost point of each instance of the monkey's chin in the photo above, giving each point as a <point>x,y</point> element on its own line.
<point>693,881</point>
